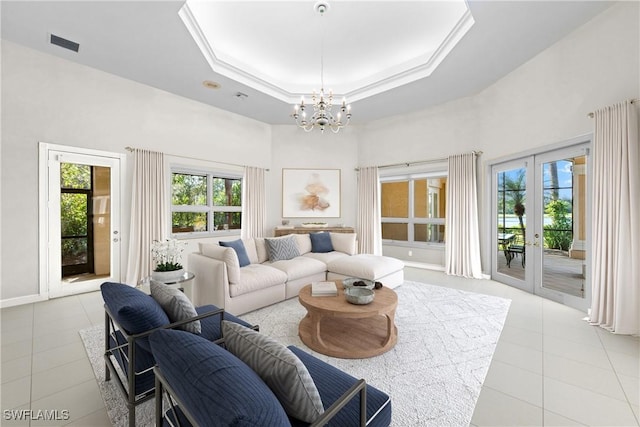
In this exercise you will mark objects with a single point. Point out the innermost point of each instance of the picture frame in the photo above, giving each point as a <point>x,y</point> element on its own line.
<point>311,193</point>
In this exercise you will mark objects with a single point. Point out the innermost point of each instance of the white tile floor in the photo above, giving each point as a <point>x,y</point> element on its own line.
<point>550,367</point>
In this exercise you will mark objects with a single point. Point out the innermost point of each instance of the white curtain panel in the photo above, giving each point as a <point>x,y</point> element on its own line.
<point>462,234</point>
<point>254,210</point>
<point>615,243</point>
<point>369,226</point>
<point>149,211</point>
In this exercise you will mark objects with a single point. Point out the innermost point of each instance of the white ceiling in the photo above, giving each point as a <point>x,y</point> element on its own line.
<point>148,42</point>
<point>413,37</point>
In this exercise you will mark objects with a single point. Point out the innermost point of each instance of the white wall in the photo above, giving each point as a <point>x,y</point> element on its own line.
<point>48,99</point>
<point>543,102</point>
<point>293,148</point>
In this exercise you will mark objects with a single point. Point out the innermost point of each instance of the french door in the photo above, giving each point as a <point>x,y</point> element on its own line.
<point>539,227</point>
<point>80,220</point>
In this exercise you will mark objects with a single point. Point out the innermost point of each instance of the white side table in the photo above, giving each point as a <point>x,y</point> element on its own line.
<point>178,283</point>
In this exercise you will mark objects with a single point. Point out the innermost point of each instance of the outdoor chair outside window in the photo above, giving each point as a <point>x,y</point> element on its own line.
<point>516,247</point>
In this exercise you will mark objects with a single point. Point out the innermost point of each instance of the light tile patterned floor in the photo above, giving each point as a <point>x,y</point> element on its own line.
<point>550,367</point>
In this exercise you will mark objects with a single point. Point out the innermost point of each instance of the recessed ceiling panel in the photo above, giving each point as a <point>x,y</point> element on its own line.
<point>358,49</point>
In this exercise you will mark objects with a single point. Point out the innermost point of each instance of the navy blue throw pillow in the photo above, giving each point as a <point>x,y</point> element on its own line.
<point>321,242</point>
<point>216,387</point>
<point>241,251</point>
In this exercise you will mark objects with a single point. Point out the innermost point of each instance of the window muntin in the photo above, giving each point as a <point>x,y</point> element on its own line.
<point>413,209</point>
<point>205,202</point>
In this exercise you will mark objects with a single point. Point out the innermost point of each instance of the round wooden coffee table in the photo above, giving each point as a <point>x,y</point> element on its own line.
<point>337,328</point>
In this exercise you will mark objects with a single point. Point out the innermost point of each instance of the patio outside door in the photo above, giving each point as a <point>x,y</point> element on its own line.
<point>539,232</point>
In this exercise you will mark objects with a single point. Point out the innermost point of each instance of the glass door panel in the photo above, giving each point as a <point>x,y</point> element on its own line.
<point>510,200</point>
<point>76,243</point>
<point>562,208</point>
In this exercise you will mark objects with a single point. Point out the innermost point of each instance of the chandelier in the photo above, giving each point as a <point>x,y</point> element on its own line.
<point>322,103</point>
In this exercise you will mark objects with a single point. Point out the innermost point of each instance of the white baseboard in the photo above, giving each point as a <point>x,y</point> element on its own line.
<point>423,265</point>
<point>28,299</point>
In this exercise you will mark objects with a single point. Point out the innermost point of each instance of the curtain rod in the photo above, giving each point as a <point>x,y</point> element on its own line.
<point>131,149</point>
<point>420,162</point>
<point>633,101</point>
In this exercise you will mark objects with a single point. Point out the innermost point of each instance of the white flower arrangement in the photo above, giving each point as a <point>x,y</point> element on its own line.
<point>167,254</point>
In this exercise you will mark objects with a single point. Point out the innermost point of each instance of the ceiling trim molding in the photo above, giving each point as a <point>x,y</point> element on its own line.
<point>419,71</point>
<point>229,70</point>
<point>369,86</point>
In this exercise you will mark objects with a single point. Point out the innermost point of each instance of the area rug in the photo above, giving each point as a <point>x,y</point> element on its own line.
<point>446,339</point>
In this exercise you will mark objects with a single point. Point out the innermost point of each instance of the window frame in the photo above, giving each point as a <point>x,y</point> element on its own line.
<point>210,209</point>
<point>411,219</point>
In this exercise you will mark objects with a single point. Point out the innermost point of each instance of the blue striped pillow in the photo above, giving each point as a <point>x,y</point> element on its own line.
<point>282,248</point>
<point>283,372</point>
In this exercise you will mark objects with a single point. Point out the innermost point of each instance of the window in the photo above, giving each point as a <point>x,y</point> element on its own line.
<point>205,202</point>
<point>413,209</point>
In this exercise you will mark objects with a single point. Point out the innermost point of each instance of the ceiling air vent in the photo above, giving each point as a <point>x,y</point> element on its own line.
<point>67,44</point>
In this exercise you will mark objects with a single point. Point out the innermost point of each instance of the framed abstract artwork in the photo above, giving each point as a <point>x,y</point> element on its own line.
<point>310,193</point>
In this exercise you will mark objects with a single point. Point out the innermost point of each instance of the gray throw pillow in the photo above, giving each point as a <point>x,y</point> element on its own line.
<point>278,367</point>
<point>282,248</point>
<point>176,304</point>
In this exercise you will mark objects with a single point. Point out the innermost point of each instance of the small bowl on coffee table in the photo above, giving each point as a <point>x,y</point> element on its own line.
<point>359,296</point>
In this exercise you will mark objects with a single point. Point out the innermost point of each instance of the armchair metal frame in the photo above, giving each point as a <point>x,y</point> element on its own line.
<point>162,387</point>
<point>126,348</point>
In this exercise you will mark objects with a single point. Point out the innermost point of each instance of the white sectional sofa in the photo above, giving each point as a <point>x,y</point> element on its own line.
<point>267,278</point>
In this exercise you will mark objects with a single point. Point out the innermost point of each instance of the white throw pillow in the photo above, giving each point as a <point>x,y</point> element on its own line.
<point>261,249</point>
<point>252,253</point>
<point>304,243</point>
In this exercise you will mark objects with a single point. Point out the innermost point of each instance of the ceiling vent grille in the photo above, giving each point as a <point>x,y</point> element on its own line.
<point>67,44</point>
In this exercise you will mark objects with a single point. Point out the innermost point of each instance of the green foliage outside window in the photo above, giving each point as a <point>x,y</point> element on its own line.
<point>189,189</point>
<point>558,234</point>
<point>73,213</point>
<point>75,176</point>
<point>227,192</point>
